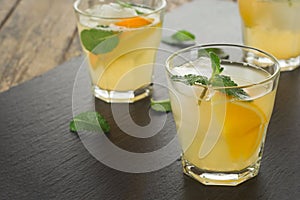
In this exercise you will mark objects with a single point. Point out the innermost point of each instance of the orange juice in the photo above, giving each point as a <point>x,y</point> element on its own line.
<point>221,133</point>
<point>137,45</point>
<point>236,128</point>
<point>120,41</point>
<point>272,25</point>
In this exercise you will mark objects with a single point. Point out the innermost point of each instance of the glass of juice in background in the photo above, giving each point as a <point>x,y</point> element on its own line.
<point>222,128</point>
<point>273,26</point>
<point>120,40</point>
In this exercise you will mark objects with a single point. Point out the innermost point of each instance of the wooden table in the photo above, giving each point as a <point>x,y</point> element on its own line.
<point>41,159</point>
<point>36,36</point>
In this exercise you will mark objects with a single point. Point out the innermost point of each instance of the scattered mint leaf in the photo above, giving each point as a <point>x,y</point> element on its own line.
<point>191,79</point>
<point>218,51</point>
<point>92,38</point>
<point>89,121</point>
<point>180,38</point>
<point>183,35</point>
<point>216,80</point>
<point>161,106</point>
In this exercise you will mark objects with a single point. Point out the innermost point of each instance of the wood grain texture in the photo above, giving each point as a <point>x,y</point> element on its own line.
<point>6,9</point>
<point>34,39</point>
<point>36,36</point>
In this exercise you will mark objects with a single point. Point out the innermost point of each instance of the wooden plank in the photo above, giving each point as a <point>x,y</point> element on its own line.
<point>6,9</point>
<point>74,48</point>
<point>37,36</point>
<point>34,39</point>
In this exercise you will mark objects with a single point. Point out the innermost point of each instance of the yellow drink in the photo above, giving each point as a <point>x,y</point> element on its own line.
<point>239,127</point>
<point>272,25</point>
<point>122,61</point>
<point>222,136</point>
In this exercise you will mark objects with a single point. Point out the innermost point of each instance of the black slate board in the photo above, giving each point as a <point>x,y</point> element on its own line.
<point>41,159</point>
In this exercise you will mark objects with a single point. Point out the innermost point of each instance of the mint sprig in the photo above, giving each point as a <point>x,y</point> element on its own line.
<point>215,65</point>
<point>225,81</point>
<point>161,106</point>
<point>89,121</point>
<point>191,79</point>
<point>221,54</point>
<point>128,5</point>
<point>99,41</point>
<point>226,84</point>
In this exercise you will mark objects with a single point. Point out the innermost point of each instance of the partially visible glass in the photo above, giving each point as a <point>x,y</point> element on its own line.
<point>120,40</point>
<point>221,135</point>
<point>273,26</point>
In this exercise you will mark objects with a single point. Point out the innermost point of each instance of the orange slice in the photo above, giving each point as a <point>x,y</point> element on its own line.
<point>243,129</point>
<point>134,22</point>
<point>93,59</point>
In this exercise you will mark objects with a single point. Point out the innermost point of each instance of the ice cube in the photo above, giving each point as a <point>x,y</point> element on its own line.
<point>114,10</point>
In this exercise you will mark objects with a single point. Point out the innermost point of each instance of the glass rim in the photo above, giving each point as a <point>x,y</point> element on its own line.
<point>273,76</point>
<point>76,4</point>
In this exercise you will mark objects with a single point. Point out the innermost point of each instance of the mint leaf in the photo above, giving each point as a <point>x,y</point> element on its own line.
<point>180,38</point>
<point>183,35</point>
<point>191,79</point>
<point>216,80</point>
<point>106,45</point>
<point>221,54</point>
<point>225,81</point>
<point>161,106</point>
<point>128,5</point>
<point>92,40</point>
<point>89,121</point>
<point>215,65</point>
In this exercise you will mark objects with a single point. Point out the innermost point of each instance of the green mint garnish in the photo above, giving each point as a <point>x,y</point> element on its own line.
<point>161,106</point>
<point>218,51</point>
<point>128,5</point>
<point>225,81</point>
<point>216,79</point>
<point>89,121</point>
<point>191,79</point>
<point>98,41</point>
<point>215,65</point>
<point>180,38</point>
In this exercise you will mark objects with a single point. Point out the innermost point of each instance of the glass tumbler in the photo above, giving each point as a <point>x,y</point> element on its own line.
<point>222,115</point>
<point>120,40</point>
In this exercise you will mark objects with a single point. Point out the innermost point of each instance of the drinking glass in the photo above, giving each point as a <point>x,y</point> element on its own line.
<point>222,121</point>
<point>273,26</point>
<point>120,40</point>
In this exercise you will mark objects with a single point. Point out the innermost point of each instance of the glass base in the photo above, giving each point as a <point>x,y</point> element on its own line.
<point>290,64</point>
<point>232,178</point>
<point>122,96</point>
<point>285,65</point>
